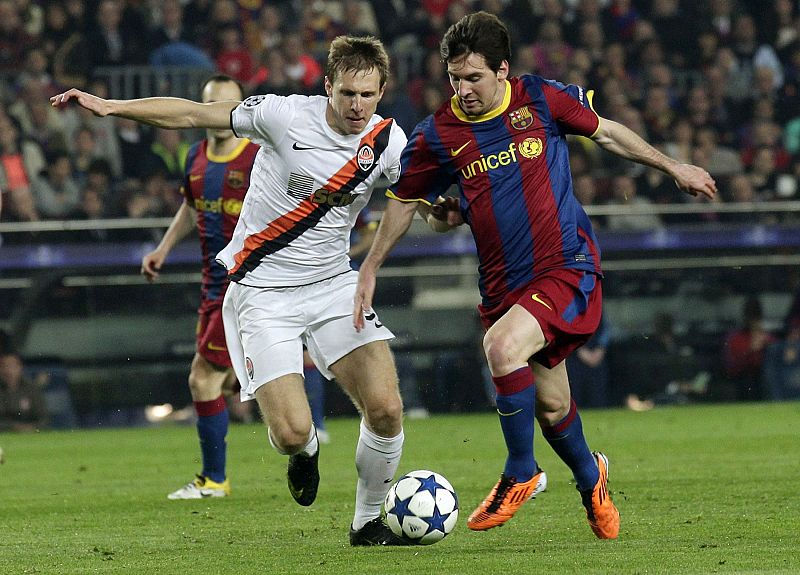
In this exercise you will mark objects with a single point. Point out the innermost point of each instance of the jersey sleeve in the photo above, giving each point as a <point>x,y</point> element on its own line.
<point>422,178</point>
<point>397,142</point>
<point>263,119</point>
<point>571,108</point>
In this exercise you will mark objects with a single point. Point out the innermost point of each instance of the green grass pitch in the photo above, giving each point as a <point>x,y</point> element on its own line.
<point>701,489</point>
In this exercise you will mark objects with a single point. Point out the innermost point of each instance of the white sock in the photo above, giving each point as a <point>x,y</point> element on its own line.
<point>310,449</point>
<point>377,459</point>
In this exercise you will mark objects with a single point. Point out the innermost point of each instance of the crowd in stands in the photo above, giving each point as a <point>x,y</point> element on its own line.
<point>713,82</point>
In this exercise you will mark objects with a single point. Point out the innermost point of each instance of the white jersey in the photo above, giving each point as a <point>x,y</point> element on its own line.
<point>307,187</point>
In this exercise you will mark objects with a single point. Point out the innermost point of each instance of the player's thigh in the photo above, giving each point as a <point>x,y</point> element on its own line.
<point>206,380</point>
<point>369,377</point>
<point>517,335</point>
<point>552,392</point>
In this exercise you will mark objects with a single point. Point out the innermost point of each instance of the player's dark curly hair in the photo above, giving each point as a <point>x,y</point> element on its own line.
<point>480,33</point>
<point>359,54</point>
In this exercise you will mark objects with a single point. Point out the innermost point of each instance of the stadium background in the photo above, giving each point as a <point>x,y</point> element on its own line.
<point>712,82</point>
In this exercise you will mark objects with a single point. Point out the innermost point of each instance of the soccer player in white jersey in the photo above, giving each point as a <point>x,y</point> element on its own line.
<point>291,282</point>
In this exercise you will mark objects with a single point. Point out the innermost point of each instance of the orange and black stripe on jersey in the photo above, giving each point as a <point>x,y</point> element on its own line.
<point>282,231</point>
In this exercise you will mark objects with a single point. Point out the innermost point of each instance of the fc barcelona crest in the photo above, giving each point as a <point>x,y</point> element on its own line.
<point>521,118</point>
<point>235,178</point>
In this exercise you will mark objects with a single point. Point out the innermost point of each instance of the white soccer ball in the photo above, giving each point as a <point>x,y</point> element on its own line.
<point>422,507</point>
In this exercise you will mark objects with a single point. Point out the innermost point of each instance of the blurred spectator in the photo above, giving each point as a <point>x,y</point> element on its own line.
<point>233,58</point>
<point>54,190</point>
<point>782,361</point>
<point>357,18</point>
<point>92,207</point>
<point>679,146</point>
<point>114,42</point>
<point>65,47</point>
<point>167,154</point>
<point>18,159</point>
<point>762,173</point>
<point>318,28</point>
<point>749,55</point>
<point>22,402</point>
<point>271,27</point>
<point>396,104</point>
<point>743,352</point>
<point>301,67</point>
<point>722,161</point>
<point>624,16</point>
<point>588,369</point>
<point>550,54</point>
<point>623,189</point>
<point>14,40</point>
<point>35,73</point>
<point>171,28</point>
<point>134,144</point>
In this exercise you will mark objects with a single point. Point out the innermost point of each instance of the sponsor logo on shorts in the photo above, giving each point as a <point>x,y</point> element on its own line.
<point>248,363</point>
<point>537,298</point>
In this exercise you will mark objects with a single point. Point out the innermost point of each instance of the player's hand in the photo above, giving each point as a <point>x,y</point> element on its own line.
<point>448,210</point>
<point>362,302</point>
<point>98,106</point>
<point>695,180</point>
<point>151,265</point>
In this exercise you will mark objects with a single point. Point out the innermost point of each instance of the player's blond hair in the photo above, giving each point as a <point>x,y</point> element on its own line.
<point>357,54</point>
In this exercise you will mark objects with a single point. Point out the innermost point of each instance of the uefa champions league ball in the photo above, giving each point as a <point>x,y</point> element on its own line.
<point>422,507</point>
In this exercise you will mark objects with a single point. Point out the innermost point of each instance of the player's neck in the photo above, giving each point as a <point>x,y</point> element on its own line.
<point>224,146</point>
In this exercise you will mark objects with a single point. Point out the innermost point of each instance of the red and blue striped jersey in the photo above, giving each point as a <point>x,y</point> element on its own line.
<point>511,166</point>
<point>215,187</point>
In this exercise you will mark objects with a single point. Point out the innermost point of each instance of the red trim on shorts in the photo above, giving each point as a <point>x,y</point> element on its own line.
<point>210,408</point>
<point>514,382</point>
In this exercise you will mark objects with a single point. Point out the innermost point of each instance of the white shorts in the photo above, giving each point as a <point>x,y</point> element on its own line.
<point>266,328</point>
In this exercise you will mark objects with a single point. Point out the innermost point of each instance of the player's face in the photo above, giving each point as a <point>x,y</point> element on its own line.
<point>352,100</point>
<point>221,92</point>
<point>478,87</point>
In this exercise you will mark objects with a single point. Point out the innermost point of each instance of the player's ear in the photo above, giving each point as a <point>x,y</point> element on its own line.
<point>502,71</point>
<point>328,87</point>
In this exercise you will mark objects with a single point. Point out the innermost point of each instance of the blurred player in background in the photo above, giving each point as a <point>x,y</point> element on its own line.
<point>214,185</point>
<point>502,141</point>
<point>291,280</point>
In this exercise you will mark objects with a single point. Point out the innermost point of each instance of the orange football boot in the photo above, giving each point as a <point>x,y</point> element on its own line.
<point>600,510</point>
<point>506,497</point>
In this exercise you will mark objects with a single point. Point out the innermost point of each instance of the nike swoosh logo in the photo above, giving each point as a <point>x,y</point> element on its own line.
<point>508,414</point>
<point>296,493</point>
<point>457,151</point>
<point>387,480</point>
<point>213,347</point>
<point>195,177</point>
<point>535,297</point>
<point>296,146</point>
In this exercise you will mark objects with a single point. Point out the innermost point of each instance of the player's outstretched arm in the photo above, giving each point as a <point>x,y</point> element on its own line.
<point>163,112</point>
<point>395,222</point>
<point>180,226</point>
<point>624,142</point>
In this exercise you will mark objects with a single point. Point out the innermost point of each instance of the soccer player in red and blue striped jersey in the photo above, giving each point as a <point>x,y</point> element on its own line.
<point>215,182</point>
<point>502,141</point>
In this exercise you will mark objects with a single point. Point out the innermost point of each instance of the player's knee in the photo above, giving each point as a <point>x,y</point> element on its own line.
<point>498,347</point>
<point>550,410</point>
<point>288,439</point>
<point>386,417</point>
